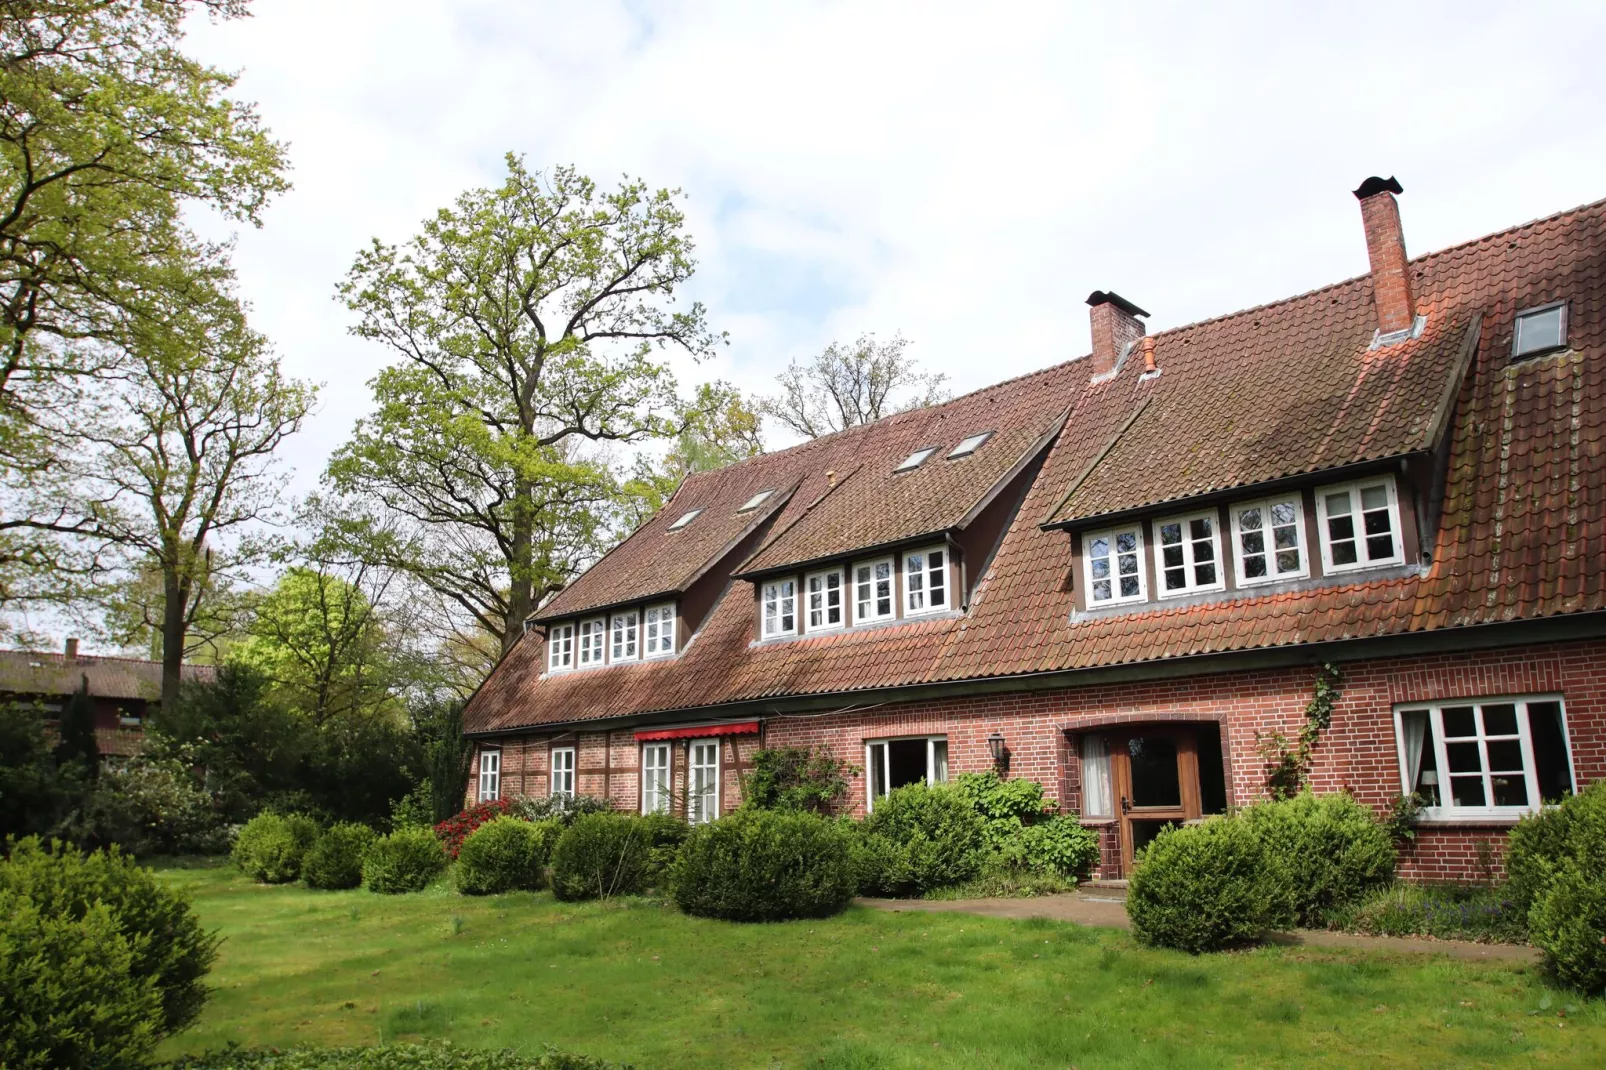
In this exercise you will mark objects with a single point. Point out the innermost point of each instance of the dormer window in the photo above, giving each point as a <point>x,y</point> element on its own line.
<point>872,591</point>
<point>925,581</point>
<point>824,608</point>
<point>1360,525</point>
<point>1540,330</point>
<point>969,445</point>
<point>658,631</point>
<point>560,647</point>
<point>1188,556</point>
<point>915,459</point>
<point>685,518</point>
<point>593,640</point>
<point>779,613</point>
<point>755,501</point>
<point>1269,538</point>
<point>626,636</point>
<point>1112,562</point>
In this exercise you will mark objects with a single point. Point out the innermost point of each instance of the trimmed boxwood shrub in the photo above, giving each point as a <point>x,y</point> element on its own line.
<point>764,865</point>
<point>405,861</point>
<point>1203,887</point>
<point>919,838</point>
<point>1329,849</point>
<point>1568,926</point>
<point>1542,844</point>
<point>166,946</point>
<point>270,847</point>
<point>1058,846</point>
<point>603,855</point>
<point>335,860</point>
<point>505,855</point>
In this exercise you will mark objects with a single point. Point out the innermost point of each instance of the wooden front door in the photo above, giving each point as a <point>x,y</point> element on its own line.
<point>1156,779</point>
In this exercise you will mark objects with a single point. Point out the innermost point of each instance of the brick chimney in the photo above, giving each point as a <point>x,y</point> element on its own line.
<point>1115,323</point>
<point>1385,245</point>
<point>72,649</point>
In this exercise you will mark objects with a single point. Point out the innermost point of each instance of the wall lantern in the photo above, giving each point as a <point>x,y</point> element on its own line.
<point>995,743</point>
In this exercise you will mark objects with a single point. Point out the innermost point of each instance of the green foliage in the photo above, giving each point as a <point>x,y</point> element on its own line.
<point>335,860</point>
<point>390,1057</point>
<point>416,809</point>
<point>604,855</point>
<point>1204,887</point>
<point>405,861</point>
<point>77,734</point>
<point>504,855</point>
<point>764,865</point>
<point>1058,846</point>
<point>1000,881</point>
<point>69,996</point>
<point>796,778</point>
<point>1329,850</point>
<point>165,942</point>
<point>1400,823</point>
<point>1568,926</point>
<point>447,754</point>
<point>1287,765</point>
<point>1543,843</point>
<point>1007,806</point>
<point>563,808</point>
<point>150,804</point>
<point>919,838</point>
<point>1446,912</point>
<point>270,847</point>
<point>719,428</point>
<point>35,793</point>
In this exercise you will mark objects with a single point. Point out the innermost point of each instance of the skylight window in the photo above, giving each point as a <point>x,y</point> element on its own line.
<point>685,518</point>
<point>755,501</point>
<point>969,445</point>
<point>915,459</point>
<point>1540,330</point>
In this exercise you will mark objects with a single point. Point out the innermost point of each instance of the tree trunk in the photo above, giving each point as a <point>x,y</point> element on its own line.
<point>174,598</point>
<point>520,603</point>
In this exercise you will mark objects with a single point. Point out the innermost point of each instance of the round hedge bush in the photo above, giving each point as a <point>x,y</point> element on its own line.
<point>335,860</point>
<point>1568,926</point>
<point>1058,845</point>
<point>504,855</point>
<point>405,861</point>
<point>919,838</point>
<point>764,865</point>
<point>1329,849</point>
<point>602,855</point>
<point>1203,887</point>
<point>1542,844</point>
<point>270,847</point>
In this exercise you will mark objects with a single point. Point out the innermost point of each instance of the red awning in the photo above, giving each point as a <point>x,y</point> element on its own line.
<point>741,728</point>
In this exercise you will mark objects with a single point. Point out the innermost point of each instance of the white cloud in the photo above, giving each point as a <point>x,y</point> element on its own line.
<point>964,174</point>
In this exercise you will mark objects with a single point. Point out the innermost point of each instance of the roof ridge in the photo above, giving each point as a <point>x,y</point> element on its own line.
<point>59,656</point>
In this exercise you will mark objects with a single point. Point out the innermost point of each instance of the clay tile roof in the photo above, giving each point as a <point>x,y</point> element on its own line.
<point>27,672</point>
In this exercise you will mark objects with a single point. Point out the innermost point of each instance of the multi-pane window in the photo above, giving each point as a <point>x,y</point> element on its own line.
<point>563,771</point>
<point>1360,525</point>
<point>1269,537</point>
<point>626,637</point>
<point>1113,564</point>
<point>658,631</point>
<point>593,639</point>
<point>925,580</point>
<point>560,647</point>
<point>654,778</point>
<point>1540,329</point>
<point>872,590</point>
<point>702,785</point>
<point>780,607</point>
<point>824,601</point>
<point>490,775</point>
<point>1484,758</point>
<point>1188,555</point>
<point>893,763</point>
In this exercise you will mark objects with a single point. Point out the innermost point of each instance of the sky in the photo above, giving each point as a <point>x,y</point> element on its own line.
<point>962,174</point>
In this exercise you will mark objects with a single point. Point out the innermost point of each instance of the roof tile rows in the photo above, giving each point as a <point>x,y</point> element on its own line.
<point>28,672</point>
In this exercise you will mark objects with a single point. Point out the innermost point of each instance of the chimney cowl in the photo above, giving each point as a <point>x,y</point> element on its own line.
<point>1374,185</point>
<point>1101,297</point>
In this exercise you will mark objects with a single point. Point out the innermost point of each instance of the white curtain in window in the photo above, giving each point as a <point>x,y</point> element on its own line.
<point>1095,777</point>
<point>1414,729</point>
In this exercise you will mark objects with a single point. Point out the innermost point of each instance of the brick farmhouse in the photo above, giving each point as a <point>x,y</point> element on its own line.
<point>1122,575</point>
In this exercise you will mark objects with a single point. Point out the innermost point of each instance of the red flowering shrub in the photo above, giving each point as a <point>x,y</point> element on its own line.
<point>454,830</point>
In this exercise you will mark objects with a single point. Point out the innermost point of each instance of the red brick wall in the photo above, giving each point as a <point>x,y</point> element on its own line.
<point>1356,754</point>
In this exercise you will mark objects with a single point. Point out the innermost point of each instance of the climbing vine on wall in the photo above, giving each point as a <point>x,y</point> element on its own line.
<point>1288,762</point>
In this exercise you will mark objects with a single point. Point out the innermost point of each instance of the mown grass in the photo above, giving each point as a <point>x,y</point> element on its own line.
<point>637,981</point>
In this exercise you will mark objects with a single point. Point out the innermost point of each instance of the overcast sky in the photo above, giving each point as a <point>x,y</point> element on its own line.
<point>964,174</point>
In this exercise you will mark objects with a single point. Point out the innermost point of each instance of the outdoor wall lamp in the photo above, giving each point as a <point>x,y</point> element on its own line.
<point>995,743</point>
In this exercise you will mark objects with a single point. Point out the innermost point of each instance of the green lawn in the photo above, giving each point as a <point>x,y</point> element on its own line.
<point>637,981</point>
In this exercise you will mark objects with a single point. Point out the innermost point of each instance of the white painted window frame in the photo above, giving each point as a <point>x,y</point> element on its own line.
<point>560,647</point>
<point>624,643</point>
<point>886,763</point>
<point>591,638</point>
<point>824,577</point>
<point>490,785</point>
<point>656,799</point>
<point>766,619</point>
<point>695,813</point>
<point>892,590</point>
<point>658,636</point>
<point>1364,561</point>
<point>1190,562</point>
<point>1116,598</point>
<point>1239,556</point>
<point>569,773</point>
<point>925,572</point>
<point>1451,812</point>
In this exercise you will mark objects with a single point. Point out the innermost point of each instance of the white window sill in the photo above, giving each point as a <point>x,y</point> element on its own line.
<point>1485,820</point>
<point>1343,570</point>
<point>1184,592</point>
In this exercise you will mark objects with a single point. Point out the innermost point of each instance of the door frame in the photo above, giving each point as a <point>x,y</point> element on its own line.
<point>1186,738</point>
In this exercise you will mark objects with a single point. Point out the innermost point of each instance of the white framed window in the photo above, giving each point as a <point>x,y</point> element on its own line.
<point>873,591</point>
<point>915,459</point>
<point>1112,562</point>
<point>1269,538</point>
<point>702,784</point>
<point>560,647</point>
<point>755,501</point>
<point>1187,554</point>
<point>1484,758</point>
<point>925,581</point>
<point>1540,329</point>
<point>685,518</point>
<point>593,641</point>
<point>894,763</point>
<point>969,446</point>
<point>1098,800</point>
<point>779,611</point>
<point>655,778</point>
<point>823,601</point>
<point>658,631</point>
<point>626,644</point>
<point>563,771</point>
<point>490,775</point>
<point>1360,525</point>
